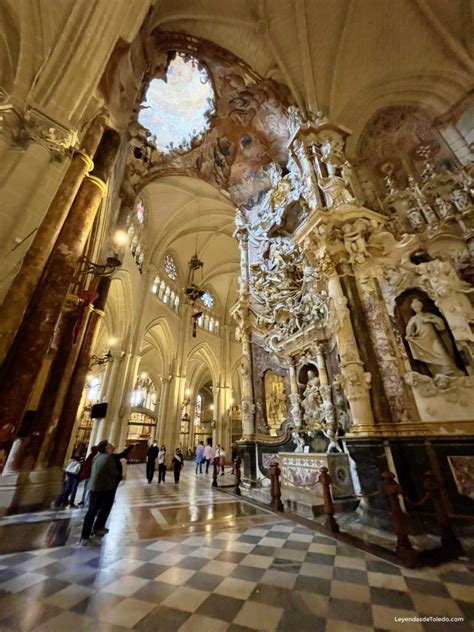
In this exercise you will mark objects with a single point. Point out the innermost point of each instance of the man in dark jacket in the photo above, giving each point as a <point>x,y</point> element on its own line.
<point>99,527</point>
<point>102,486</point>
<point>151,457</point>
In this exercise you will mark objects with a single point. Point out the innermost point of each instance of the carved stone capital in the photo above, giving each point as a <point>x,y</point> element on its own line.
<point>59,140</point>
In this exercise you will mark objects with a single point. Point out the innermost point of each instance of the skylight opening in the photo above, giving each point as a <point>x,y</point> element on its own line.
<point>178,112</point>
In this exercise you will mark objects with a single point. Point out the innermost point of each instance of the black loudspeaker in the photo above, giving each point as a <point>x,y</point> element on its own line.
<point>98,411</point>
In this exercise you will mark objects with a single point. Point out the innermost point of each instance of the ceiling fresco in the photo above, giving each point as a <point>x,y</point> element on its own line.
<point>249,129</point>
<point>178,110</point>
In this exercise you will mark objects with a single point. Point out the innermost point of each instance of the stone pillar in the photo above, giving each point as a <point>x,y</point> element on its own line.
<point>38,326</point>
<point>120,402</point>
<point>26,280</point>
<point>248,404</point>
<point>62,424</point>
<point>165,387</point>
<point>172,417</point>
<point>355,381</point>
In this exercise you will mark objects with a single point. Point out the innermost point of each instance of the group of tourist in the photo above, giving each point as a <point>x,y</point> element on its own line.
<point>206,454</point>
<point>101,471</point>
<point>156,454</point>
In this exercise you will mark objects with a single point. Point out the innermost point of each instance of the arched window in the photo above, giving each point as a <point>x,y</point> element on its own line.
<point>207,299</point>
<point>144,393</point>
<point>198,410</point>
<point>93,393</point>
<point>169,265</point>
<point>136,225</point>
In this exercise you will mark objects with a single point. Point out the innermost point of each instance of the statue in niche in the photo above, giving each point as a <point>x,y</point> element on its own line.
<point>275,401</point>
<point>426,345</point>
<point>312,399</point>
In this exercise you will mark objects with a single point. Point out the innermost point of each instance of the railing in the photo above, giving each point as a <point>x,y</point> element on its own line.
<point>450,547</point>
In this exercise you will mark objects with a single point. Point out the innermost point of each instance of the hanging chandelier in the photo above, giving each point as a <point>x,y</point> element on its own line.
<point>194,289</point>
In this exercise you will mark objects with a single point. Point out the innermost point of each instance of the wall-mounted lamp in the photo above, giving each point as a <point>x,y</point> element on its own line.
<point>100,360</point>
<point>86,266</point>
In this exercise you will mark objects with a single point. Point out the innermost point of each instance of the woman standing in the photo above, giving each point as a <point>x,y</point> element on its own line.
<point>178,463</point>
<point>85,475</point>
<point>162,464</point>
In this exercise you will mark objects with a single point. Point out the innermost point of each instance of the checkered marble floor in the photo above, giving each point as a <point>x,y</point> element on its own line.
<point>273,576</point>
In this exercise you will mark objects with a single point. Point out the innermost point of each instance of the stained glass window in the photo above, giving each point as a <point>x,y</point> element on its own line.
<point>178,110</point>
<point>140,211</point>
<point>198,410</point>
<point>207,300</point>
<point>170,267</point>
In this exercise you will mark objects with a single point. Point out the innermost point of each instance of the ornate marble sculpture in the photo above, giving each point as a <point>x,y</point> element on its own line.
<point>312,400</point>
<point>298,441</point>
<point>425,343</point>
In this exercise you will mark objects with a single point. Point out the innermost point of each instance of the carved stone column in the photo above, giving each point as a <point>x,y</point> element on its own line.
<point>22,288</point>
<point>355,381</point>
<point>33,337</point>
<point>248,404</point>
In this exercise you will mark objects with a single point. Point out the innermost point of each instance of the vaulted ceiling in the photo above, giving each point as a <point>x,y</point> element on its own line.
<point>186,215</point>
<point>347,58</point>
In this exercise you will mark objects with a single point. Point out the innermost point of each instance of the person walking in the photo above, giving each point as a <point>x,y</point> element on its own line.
<point>178,463</point>
<point>85,475</point>
<point>162,464</point>
<point>151,457</point>
<point>208,454</point>
<point>102,486</point>
<point>199,458</point>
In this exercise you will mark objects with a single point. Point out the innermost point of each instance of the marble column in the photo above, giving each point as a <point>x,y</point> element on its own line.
<point>61,424</point>
<point>398,395</point>
<point>28,277</point>
<point>355,381</point>
<point>246,371</point>
<point>26,354</point>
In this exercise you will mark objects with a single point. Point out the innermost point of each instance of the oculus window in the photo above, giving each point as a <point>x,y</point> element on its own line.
<point>177,111</point>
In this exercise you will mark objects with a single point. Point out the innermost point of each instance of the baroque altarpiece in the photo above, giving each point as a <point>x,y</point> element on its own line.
<point>355,310</point>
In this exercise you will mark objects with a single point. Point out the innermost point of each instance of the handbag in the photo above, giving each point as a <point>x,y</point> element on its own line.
<point>73,467</point>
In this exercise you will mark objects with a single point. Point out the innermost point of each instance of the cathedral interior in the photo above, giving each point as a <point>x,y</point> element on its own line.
<point>250,225</point>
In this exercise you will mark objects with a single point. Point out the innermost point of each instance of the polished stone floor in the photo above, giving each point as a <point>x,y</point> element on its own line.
<point>190,558</point>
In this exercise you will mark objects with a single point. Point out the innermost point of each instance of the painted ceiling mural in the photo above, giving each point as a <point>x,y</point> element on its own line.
<point>248,130</point>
